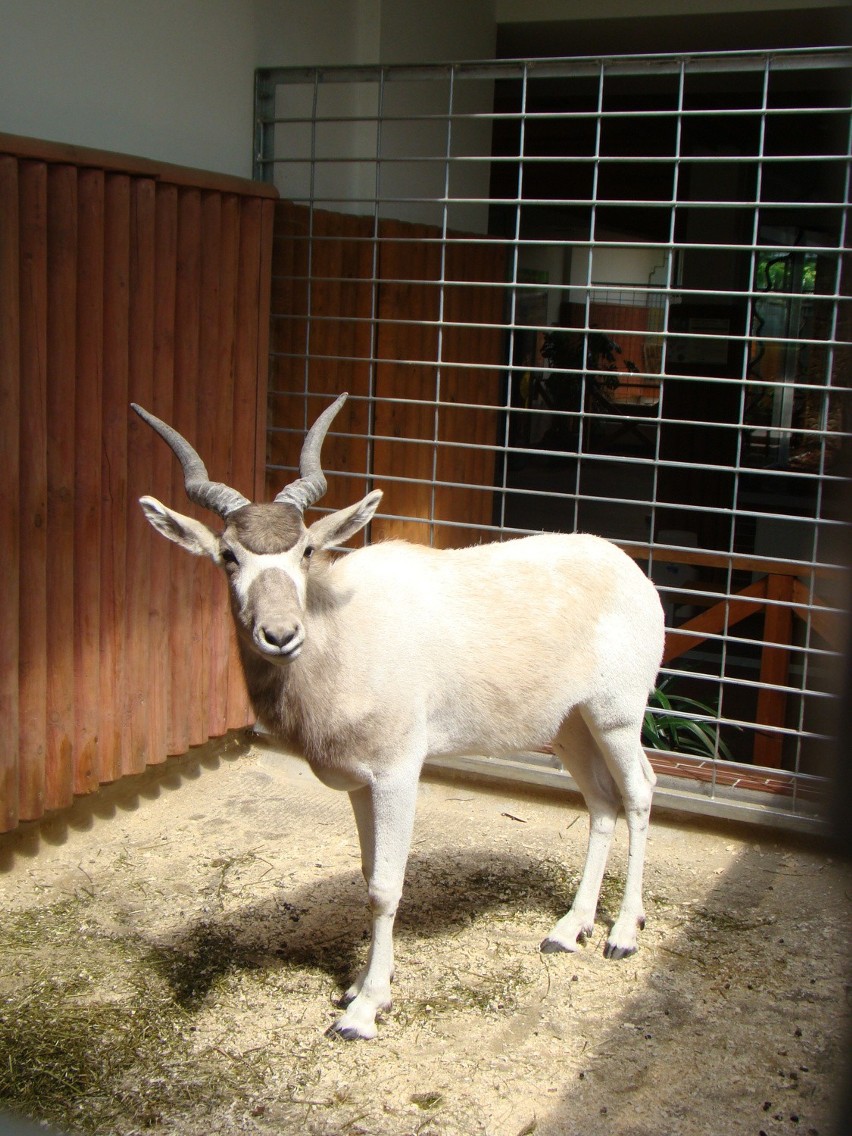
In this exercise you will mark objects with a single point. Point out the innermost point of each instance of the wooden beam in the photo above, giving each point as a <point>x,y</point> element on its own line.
<point>774,668</point>
<point>714,620</point>
<point>827,623</point>
<point>732,560</point>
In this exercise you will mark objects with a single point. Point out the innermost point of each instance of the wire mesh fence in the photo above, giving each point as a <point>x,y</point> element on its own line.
<point>607,295</point>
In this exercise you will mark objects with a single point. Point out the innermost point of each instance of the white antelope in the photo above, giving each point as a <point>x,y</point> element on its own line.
<point>369,663</point>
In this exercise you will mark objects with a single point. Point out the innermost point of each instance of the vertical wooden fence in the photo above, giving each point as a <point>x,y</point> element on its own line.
<point>120,279</point>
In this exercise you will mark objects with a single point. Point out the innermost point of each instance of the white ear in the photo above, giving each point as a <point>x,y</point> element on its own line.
<point>338,527</point>
<point>190,534</point>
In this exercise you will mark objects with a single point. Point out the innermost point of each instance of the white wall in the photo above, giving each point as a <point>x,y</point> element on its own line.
<point>173,79</point>
<point>295,33</point>
<point>416,32</point>
<point>165,79</point>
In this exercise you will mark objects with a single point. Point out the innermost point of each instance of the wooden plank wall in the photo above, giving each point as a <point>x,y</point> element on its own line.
<point>118,283</point>
<point>327,275</point>
<point>379,297</point>
<point>470,350</point>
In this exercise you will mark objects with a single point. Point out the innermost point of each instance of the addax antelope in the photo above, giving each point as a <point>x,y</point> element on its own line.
<point>369,663</point>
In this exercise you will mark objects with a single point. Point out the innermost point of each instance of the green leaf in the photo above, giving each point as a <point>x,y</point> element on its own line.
<point>662,699</point>
<point>679,702</point>
<point>703,737</point>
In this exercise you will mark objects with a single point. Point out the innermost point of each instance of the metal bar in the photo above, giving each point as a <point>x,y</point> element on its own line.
<point>675,113</point>
<point>711,62</point>
<point>264,134</point>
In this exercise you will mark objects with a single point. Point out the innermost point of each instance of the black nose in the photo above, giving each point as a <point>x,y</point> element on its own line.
<point>278,635</point>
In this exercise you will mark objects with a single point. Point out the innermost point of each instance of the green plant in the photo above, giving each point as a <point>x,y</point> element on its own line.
<point>670,724</point>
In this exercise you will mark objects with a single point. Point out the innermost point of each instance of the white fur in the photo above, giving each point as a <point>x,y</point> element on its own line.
<point>410,652</point>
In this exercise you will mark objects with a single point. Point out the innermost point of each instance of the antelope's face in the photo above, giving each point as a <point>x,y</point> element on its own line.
<point>265,552</point>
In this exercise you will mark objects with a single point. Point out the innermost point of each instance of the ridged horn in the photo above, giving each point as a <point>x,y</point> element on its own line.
<point>308,488</point>
<point>211,495</point>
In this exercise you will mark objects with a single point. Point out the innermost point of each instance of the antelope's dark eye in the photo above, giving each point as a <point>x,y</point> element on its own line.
<point>309,551</point>
<point>228,557</point>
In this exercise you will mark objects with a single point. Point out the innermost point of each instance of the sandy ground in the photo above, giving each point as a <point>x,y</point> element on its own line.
<point>226,895</point>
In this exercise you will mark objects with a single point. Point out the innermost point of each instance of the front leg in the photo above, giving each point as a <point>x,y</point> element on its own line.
<point>384,813</point>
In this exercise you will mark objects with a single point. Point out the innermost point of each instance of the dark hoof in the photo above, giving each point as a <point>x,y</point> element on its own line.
<point>611,951</point>
<point>347,1033</point>
<point>551,947</point>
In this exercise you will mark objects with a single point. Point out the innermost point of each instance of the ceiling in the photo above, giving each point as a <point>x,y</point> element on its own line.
<point>805,27</point>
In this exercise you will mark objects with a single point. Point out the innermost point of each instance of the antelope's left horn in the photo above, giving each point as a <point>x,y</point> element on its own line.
<point>308,488</point>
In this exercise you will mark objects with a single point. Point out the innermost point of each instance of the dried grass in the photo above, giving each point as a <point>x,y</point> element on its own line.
<point>92,1038</point>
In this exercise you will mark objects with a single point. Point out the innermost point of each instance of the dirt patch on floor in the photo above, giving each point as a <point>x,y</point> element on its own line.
<point>172,952</point>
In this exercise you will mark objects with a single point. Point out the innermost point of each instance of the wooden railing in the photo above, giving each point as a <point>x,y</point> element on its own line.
<point>780,597</point>
<point>120,279</point>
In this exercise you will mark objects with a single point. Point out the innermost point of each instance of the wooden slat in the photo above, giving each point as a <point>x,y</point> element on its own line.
<point>246,356</point>
<point>350,295</point>
<point>163,555</point>
<point>62,210</point>
<point>247,429</point>
<point>137,649</point>
<point>289,295</point>
<point>261,320</point>
<point>220,414</point>
<point>192,380</point>
<point>87,479</point>
<point>33,499</point>
<point>248,305</point>
<point>405,261</point>
<point>10,416</point>
<point>210,601</point>
<point>324,341</point>
<point>472,467</point>
<point>247,363</point>
<point>185,686</point>
<point>114,720</point>
<point>356,317</point>
<point>289,301</point>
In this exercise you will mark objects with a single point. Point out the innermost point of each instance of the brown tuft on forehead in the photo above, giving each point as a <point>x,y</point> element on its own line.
<point>266,528</point>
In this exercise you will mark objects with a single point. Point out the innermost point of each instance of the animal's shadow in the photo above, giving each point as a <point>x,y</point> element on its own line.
<point>324,925</point>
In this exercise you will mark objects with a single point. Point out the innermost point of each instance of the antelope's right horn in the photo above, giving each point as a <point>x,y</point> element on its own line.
<point>209,494</point>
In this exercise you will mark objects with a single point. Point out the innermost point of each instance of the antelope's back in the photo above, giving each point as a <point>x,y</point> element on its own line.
<point>493,636</point>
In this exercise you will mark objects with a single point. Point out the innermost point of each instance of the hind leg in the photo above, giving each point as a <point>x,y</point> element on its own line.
<point>578,751</point>
<point>620,744</point>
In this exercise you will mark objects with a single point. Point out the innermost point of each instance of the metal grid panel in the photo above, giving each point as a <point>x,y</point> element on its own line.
<point>606,295</point>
